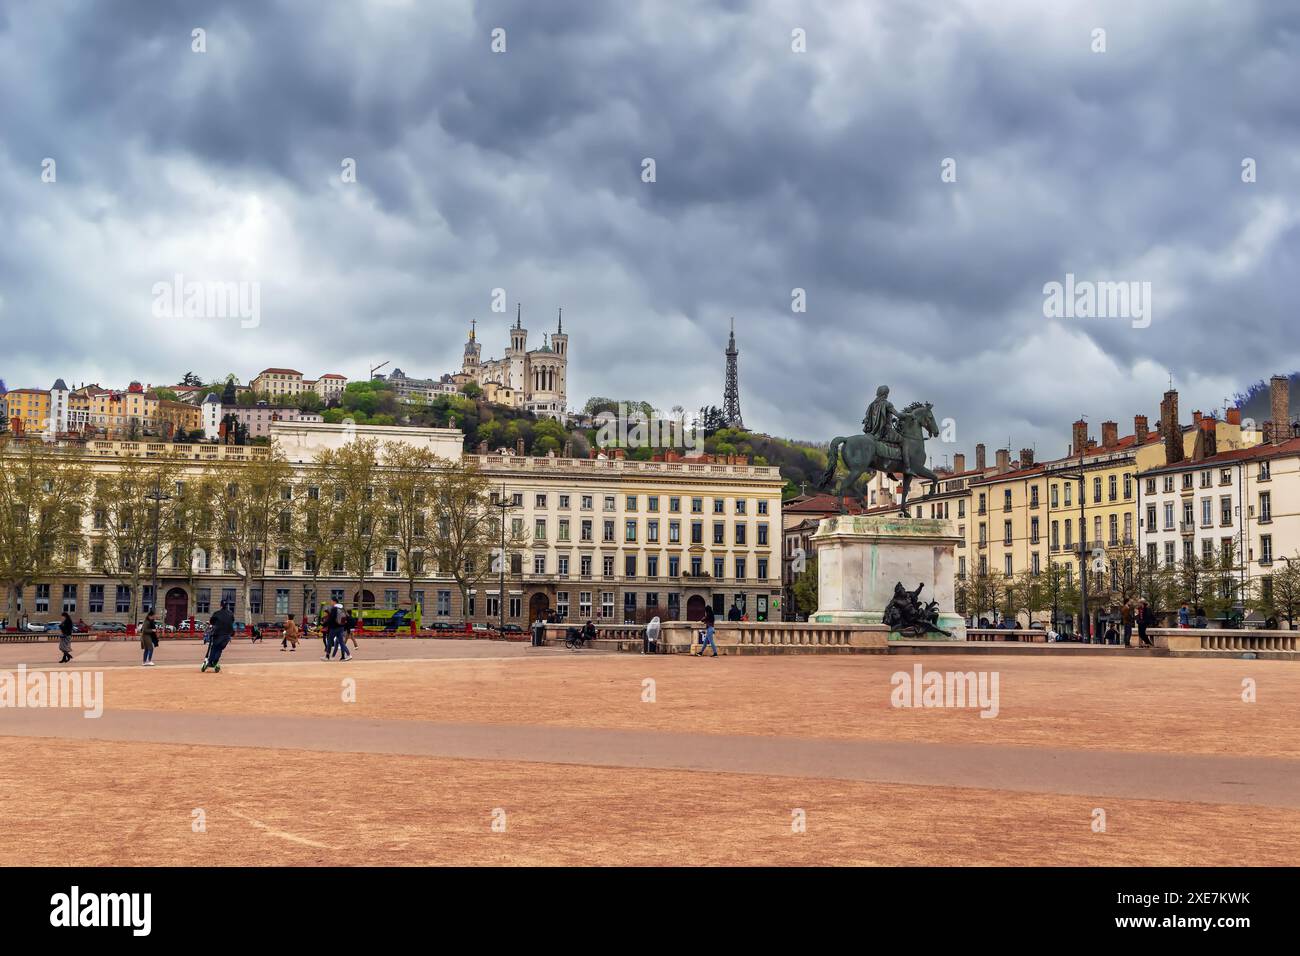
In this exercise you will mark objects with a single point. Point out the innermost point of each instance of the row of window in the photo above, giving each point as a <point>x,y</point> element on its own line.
<point>541,499</point>
<point>632,528</point>
<point>1113,526</point>
<point>1222,552</point>
<point>1205,480</point>
<point>1057,491</point>
<point>203,601</point>
<point>1227,511</point>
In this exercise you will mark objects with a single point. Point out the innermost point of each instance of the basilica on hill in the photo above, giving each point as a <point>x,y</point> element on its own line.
<point>523,378</point>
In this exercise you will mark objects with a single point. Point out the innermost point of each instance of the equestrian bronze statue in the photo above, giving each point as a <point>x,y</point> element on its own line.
<point>892,441</point>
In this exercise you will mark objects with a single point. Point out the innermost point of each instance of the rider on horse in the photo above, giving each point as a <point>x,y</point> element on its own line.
<point>879,422</point>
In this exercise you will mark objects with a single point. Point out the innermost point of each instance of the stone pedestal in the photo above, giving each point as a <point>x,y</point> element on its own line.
<point>861,557</point>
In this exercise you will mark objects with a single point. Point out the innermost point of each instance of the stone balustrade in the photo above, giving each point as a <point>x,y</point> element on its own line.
<point>1022,636</point>
<point>740,637</point>
<point>776,637</point>
<point>1225,639</point>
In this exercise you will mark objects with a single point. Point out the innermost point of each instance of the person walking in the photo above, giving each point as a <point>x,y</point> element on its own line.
<point>1146,617</point>
<point>708,642</point>
<point>734,614</point>
<point>290,639</point>
<point>650,643</point>
<point>65,638</point>
<point>256,635</point>
<point>350,626</point>
<point>1126,619</point>
<point>148,639</point>
<point>223,630</point>
<point>539,631</point>
<point>1184,616</point>
<point>336,633</point>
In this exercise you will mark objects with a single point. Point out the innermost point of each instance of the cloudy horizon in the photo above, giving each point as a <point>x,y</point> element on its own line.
<point>917,174</point>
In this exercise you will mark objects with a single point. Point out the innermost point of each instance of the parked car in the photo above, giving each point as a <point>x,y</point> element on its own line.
<point>511,629</point>
<point>51,627</point>
<point>446,626</point>
<point>112,627</point>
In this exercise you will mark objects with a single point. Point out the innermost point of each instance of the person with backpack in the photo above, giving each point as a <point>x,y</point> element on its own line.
<point>334,630</point>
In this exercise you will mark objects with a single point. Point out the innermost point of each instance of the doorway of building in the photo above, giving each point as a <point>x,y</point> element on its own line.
<point>363,599</point>
<point>538,605</point>
<point>695,608</point>
<point>176,606</point>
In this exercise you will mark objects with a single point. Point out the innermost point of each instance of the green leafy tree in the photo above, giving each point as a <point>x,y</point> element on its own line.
<point>468,532</point>
<point>1277,594</point>
<point>804,589</point>
<point>246,509</point>
<point>42,499</point>
<point>358,528</point>
<point>125,503</point>
<point>411,479</point>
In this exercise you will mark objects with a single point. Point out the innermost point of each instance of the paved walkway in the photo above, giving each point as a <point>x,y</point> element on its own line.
<point>1248,781</point>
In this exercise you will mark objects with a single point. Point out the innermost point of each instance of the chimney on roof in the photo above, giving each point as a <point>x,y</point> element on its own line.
<point>958,463</point>
<point>1196,418</point>
<point>1079,436</point>
<point>1232,416</point>
<point>1170,429</point>
<point>519,447</point>
<point>1279,394</point>
<point>979,457</point>
<point>1140,429</point>
<point>1109,434</point>
<point>1026,458</point>
<point>1004,460</point>
<point>1207,443</point>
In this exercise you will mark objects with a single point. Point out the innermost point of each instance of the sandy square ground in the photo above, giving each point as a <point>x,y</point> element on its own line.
<point>69,798</point>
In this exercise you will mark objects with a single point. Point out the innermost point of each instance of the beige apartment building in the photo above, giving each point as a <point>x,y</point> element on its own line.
<point>278,382</point>
<point>612,540</point>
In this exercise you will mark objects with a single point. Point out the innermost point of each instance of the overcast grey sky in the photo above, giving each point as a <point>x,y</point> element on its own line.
<point>775,170</point>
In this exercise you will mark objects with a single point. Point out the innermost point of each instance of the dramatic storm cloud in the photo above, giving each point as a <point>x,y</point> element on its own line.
<point>775,170</point>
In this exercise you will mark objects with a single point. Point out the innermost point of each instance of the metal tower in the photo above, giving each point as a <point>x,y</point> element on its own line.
<point>731,396</point>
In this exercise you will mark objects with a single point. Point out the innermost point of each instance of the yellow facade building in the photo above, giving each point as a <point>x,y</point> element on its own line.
<point>28,410</point>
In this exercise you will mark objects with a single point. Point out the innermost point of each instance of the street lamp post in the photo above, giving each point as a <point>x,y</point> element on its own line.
<point>157,496</point>
<point>1085,630</point>
<point>504,504</point>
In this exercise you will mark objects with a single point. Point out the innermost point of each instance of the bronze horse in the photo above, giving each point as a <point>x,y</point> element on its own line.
<point>864,455</point>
